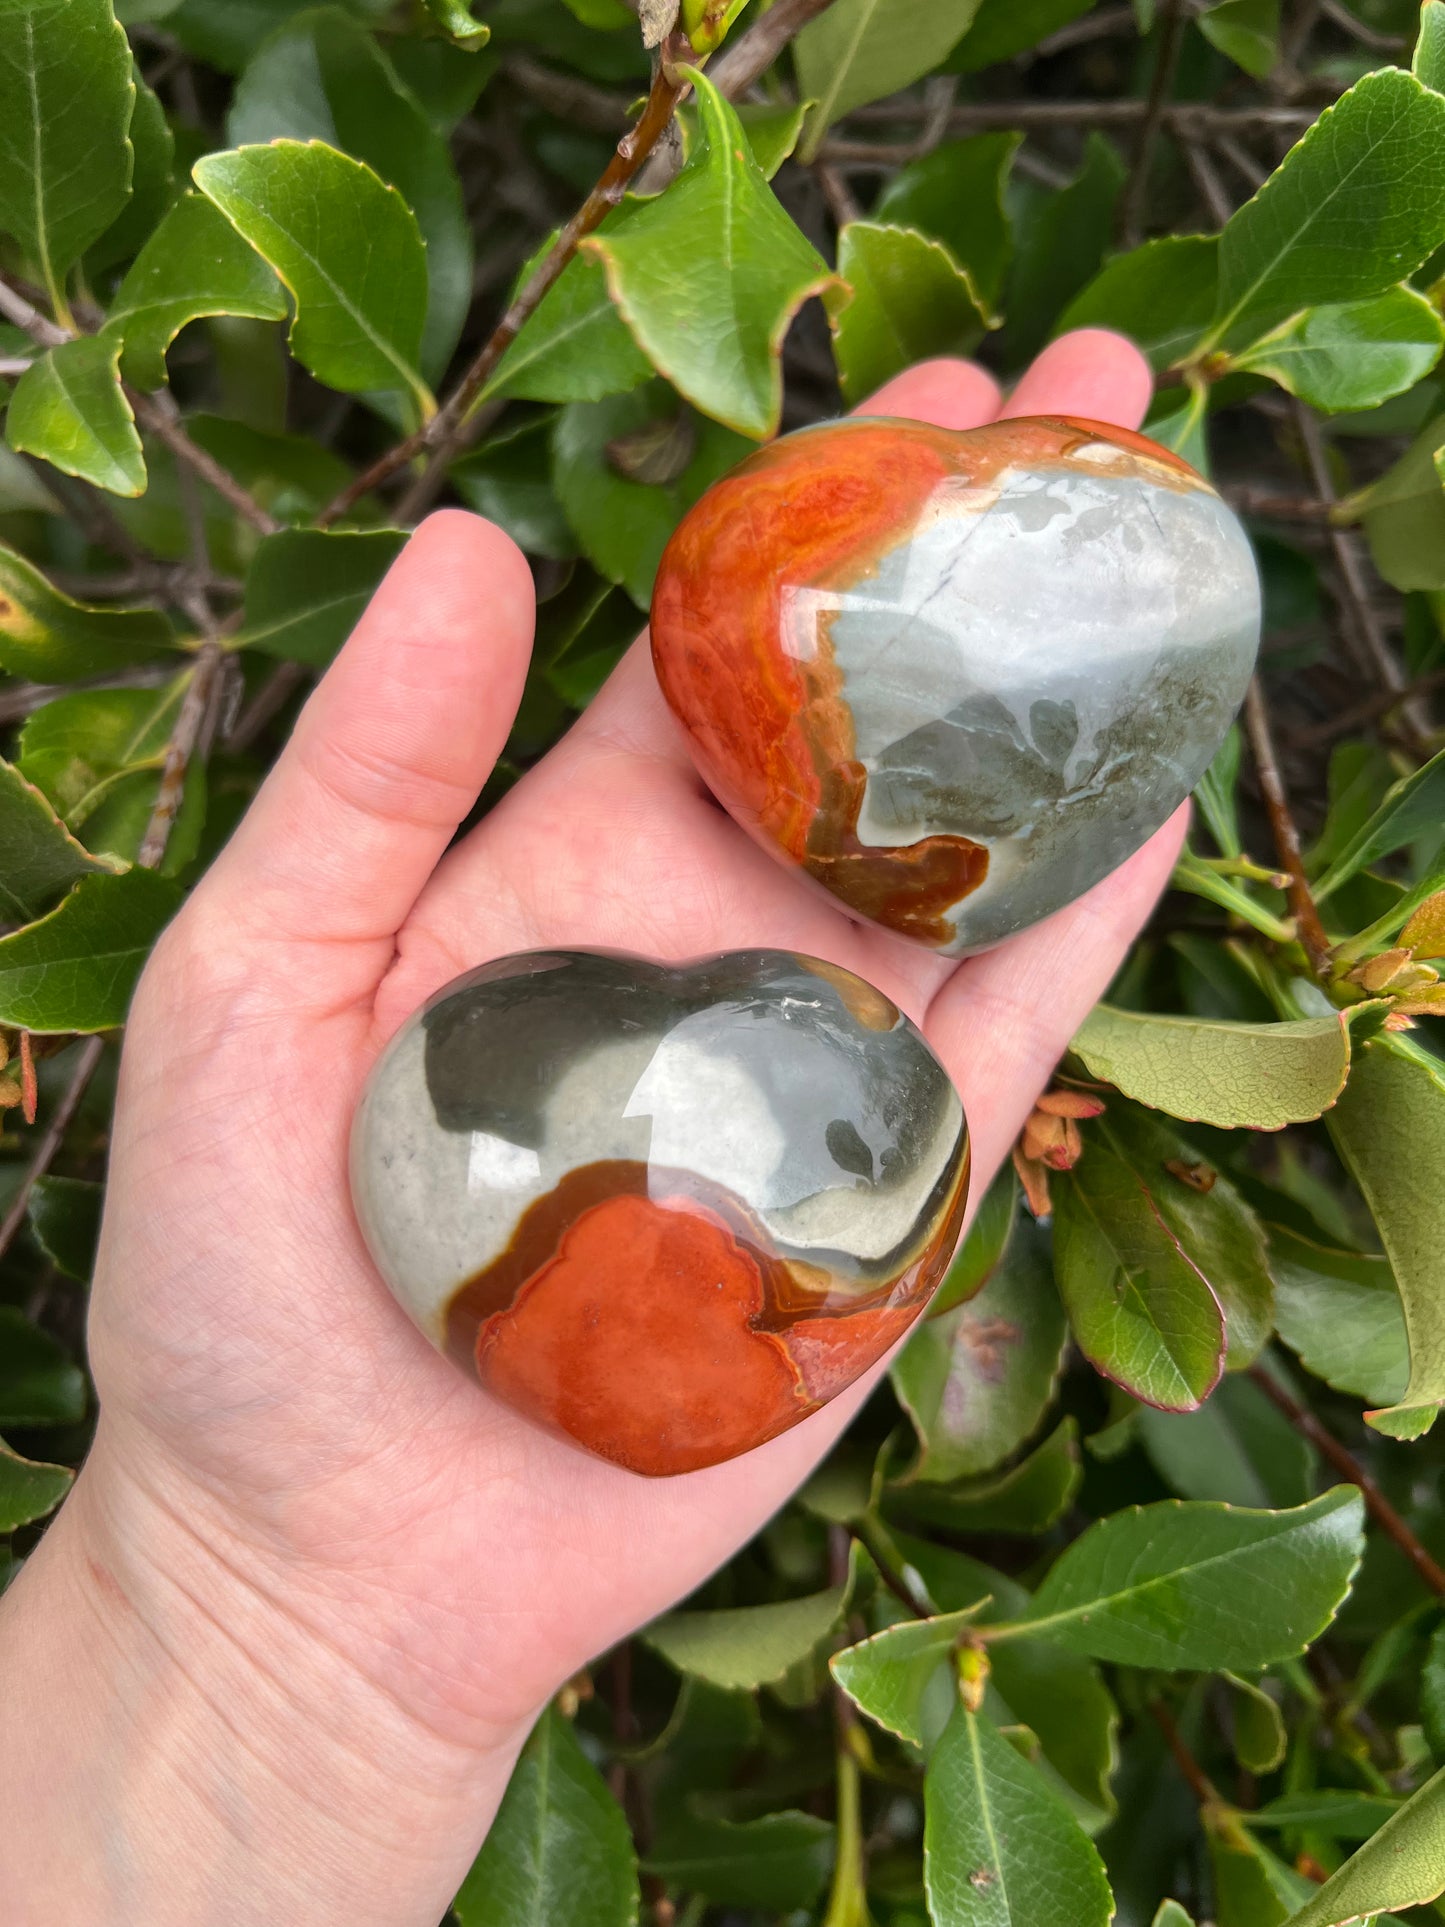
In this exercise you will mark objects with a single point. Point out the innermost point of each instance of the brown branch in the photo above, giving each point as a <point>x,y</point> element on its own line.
<point>183,740</point>
<point>1286,835</point>
<point>1247,500</point>
<point>449,430</point>
<point>895,1581</point>
<point>1200,1784</point>
<point>439,440</point>
<point>161,421</point>
<point>1181,116</point>
<point>1376,654</point>
<point>1205,176</point>
<point>269,700</point>
<point>569,97</point>
<point>60,1123</point>
<point>1349,1467</point>
<point>1161,86</point>
<point>749,57</point>
<point>1376,706</point>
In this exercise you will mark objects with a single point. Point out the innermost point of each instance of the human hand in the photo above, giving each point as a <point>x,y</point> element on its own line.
<point>365,1574</point>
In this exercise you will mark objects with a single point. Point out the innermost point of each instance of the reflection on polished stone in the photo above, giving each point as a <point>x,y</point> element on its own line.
<point>956,677</point>
<point>665,1210</point>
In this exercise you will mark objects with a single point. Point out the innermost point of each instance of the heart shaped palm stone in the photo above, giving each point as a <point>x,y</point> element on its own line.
<point>664,1210</point>
<point>956,677</point>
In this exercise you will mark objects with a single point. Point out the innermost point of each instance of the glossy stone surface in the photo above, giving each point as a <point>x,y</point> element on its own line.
<point>666,1211</point>
<point>956,677</point>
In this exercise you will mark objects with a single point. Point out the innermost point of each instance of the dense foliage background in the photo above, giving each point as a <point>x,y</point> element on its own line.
<point>964,1676</point>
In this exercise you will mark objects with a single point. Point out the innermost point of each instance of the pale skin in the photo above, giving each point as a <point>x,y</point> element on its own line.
<point>276,1656</point>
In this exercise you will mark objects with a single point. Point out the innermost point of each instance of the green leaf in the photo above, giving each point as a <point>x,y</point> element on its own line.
<point>66,97</point>
<point>323,77</point>
<point>1252,1886</point>
<point>194,264</point>
<point>307,589</point>
<point>1216,1230</point>
<point>65,1218</point>
<point>98,757</point>
<point>956,195</point>
<point>1065,1705</point>
<point>75,969</point>
<point>983,1245</point>
<point>1236,1448</point>
<point>559,1850</point>
<point>1141,1311</point>
<point>41,858</point>
<point>774,1864</point>
<point>348,248</point>
<point>509,480</point>
<point>910,301</point>
<point>1414,807</point>
<point>455,19</point>
<point>1404,515</point>
<point>1030,1497</point>
<point>623,525</point>
<point>1351,355</point>
<point>28,1490</point>
<point>1058,249</point>
<point>1356,206</point>
<point>1254,1076</point>
<point>999,1849</point>
<point>889,1674</point>
<point>1432,1692</point>
<point>860,50</point>
<point>1171,1914</point>
<point>1247,31</point>
<point>152,185</point>
<point>40,1384</point>
<point>51,638</point>
<point>772,128</point>
<point>709,275</point>
<point>69,408</point>
<point>1428,64</point>
<point>575,346</point>
<point>1327,1810</point>
<point>1389,1127</point>
<point>1205,1588</point>
<point>1340,1312</point>
<point>1403,1865</point>
<point>976,1382</point>
<point>1260,1738</point>
<point>747,1646</point>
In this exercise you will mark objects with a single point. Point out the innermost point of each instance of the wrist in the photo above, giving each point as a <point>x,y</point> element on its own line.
<point>178,1743</point>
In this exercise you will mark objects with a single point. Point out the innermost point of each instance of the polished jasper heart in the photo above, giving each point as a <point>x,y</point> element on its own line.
<point>666,1211</point>
<point>956,677</point>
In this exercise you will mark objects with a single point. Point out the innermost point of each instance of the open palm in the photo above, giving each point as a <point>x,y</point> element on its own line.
<point>257,1381</point>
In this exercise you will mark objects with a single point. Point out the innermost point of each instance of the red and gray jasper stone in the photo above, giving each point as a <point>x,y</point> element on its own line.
<point>956,677</point>
<point>664,1210</point>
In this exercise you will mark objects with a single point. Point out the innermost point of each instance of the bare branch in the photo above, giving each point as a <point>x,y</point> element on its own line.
<point>748,58</point>
<point>1161,86</point>
<point>182,742</point>
<point>1286,835</point>
<point>54,1136</point>
<point>162,421</point>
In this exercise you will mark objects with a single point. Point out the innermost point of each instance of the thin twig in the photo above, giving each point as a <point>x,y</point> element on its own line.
<point>749,57</point>
<point>24,314</point>
<point>568,96</point>
<point>1369,711</point>
<point>183,739</point>
<point>1205,176</point>
<point>1180,116</point>
<point>440,438</point>
<point>269,700</point>
<point>1245,499</point>
<point>60,1123</point>
<point>1376,652</point>
<point>1286,835</point>
<point>1349,1467</point>
<point>21,699</point>
<point>1200,1784</point>
<point>1161,86</point>
<point>162,422</point>
<point>733,72</point>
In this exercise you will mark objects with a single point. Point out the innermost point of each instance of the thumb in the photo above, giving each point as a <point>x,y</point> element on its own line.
<point>389,754</point>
